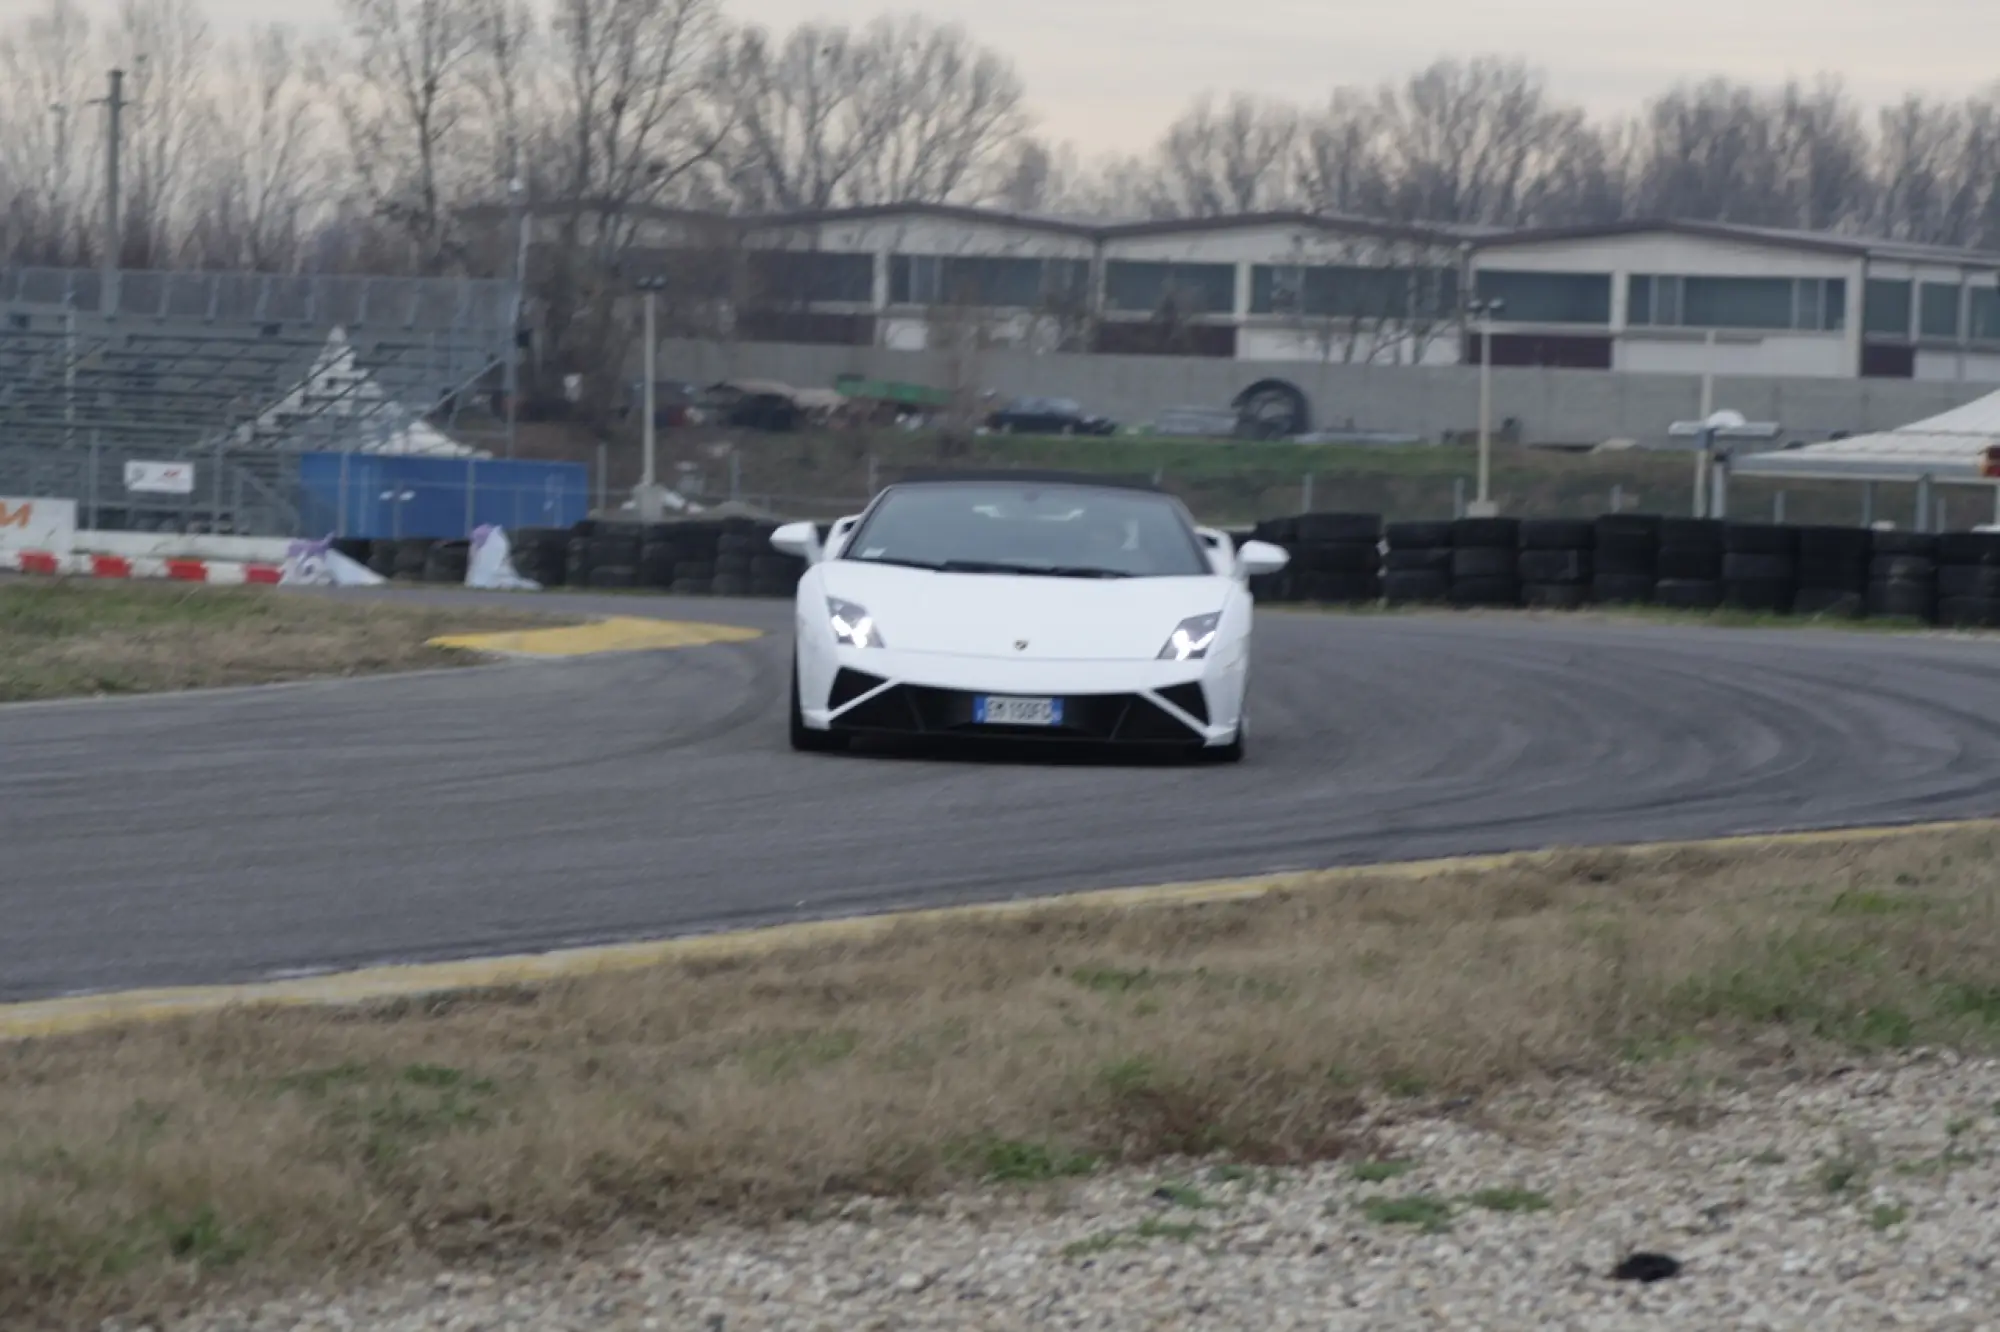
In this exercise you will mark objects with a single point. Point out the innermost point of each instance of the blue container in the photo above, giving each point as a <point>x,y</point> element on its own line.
<point>373,495</point>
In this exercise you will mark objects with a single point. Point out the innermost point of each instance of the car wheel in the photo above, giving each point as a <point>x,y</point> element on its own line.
<point>804,738</point>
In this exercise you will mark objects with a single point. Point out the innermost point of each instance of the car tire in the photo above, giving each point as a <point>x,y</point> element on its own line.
<point>804,738</point>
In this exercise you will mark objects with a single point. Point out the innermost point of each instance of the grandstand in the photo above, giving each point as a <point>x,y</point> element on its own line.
<point>240,372</point>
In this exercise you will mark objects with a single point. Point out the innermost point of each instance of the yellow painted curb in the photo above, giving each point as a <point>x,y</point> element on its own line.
<point>620,633</point>
<point>56,1017</point>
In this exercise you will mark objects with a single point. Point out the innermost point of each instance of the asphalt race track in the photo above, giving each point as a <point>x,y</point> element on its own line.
<point>250,834</point>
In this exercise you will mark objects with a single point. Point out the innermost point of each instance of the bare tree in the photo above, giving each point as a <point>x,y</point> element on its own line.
<point>1468,142</point>
<point>1341,168</point>
<point>166,49</point>
<point>51,133</point>
<point>404,94</point>
<point>949,109</point>
<point>906,111</point>
<point>1238,158</point>
<point>636,116</point>
<point>267,176</point>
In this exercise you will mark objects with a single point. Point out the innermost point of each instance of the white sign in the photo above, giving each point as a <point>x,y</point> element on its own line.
<point>38,524</point>
<point>154,478</point>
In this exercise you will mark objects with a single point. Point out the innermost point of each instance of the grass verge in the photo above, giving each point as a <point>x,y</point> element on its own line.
<point>63,638</point>
<point>148,1166</point>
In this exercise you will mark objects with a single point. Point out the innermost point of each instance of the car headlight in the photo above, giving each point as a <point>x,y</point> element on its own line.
<point>1192,639</point>
<point>852,624</point>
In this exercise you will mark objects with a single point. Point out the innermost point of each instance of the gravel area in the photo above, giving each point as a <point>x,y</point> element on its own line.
<point>1865,1199</point>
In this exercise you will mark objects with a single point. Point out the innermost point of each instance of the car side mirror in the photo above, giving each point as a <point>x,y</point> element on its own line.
<point>798,539</point>
<point>1258,558</point>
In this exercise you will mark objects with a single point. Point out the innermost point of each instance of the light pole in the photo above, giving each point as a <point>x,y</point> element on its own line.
<point>1483,311</point>
<point>649,492</point>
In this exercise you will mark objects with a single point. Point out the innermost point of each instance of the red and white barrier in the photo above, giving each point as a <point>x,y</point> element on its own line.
<point>86,565</point>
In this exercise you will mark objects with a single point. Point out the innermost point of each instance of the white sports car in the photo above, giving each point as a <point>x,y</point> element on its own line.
<point>1023,605</point>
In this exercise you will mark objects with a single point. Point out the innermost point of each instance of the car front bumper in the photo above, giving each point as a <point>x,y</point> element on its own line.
<point>883,692</point>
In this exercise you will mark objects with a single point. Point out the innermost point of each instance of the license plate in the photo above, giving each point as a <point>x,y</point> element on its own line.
<point>1017,711</point>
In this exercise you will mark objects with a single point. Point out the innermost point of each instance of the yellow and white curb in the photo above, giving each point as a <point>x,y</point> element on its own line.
<point>621,633</point>
<point>58,1017</point>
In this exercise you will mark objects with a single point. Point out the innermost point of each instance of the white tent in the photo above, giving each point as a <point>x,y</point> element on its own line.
<point>338,388</point>
<point>1959,446</point>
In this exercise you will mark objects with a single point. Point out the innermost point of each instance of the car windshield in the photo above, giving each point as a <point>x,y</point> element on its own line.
<point>1057,530</point>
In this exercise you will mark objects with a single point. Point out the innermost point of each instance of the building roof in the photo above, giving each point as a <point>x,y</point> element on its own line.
<point>1951,446</point>
<point>1774,237</point>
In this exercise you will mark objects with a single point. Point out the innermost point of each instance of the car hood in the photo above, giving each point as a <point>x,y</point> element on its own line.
<point>1069,619</point>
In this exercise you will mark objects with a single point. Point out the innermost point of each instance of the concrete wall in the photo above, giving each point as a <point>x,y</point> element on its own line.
<point>1554,406</point>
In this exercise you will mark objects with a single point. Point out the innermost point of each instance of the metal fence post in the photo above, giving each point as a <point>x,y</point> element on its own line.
<point>1458,497</point>
<point>1924,504</point>
<point>1306,494</point>
<point>1778,507</point>
<point>1868,504</point>
<point>94,438</point>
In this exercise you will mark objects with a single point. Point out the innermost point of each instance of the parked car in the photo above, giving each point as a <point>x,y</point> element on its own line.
<point>1048,416</point>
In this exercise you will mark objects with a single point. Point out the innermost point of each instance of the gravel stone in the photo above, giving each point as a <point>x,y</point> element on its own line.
<point>1869,1199</point>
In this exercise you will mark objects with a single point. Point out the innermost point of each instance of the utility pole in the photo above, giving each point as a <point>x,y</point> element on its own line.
<point>114,107</point>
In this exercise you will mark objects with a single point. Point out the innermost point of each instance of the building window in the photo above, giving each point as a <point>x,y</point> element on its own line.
<point>1193,289</point>
<point>1811,305</point>
<point>1937,311</point>
<point>990,283</point>
<point>809,277</point>
<point>1985,314</point>
<point>1886,308</point>
<point>1342,292</point>
<point>1547,298</point>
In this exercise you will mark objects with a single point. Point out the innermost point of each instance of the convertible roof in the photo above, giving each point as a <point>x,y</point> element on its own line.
<point>1028,476</point>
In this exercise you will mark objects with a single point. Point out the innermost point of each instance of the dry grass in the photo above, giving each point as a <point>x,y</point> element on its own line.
<point>62,638</point>
<point>142,1167</point>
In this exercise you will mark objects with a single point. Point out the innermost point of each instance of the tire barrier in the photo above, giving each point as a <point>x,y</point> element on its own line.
<point>1626,559</point>
<point>1687,564</point>
<point>1485,562</point>
<point>1557,563</point>
<point>1355,559</point>
<point>1336,558</point>
<point>1760,567</point>
<point>1968,580</point>
<point>1416,568</point>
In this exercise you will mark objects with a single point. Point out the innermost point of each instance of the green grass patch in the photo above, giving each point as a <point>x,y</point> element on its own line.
<point>1429,1214</point>
<point>1379,1172</point>
<point>1510,1200</point>
<point>1009,1161</point>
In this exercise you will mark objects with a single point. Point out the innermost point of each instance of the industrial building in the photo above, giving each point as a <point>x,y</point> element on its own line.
<point>1660,297</point>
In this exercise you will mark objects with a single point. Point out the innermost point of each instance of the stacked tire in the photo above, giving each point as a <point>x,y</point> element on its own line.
<point>1968,580</point>
<point>736,550</point>
<point>1416,568</point>
<point>1688,564</point>
<point>1760,568</point>
<point>605,555</point>
<point>1833,572</point>
<point>446,561</point>
<point>694,558</point>
<point>402,558</point>
<point>1337,558</point>
<point>1485,562</point>
<point>1625,562</point>
<point>1903,576</point>
<point>541,554</point>
<point>1555,563</point>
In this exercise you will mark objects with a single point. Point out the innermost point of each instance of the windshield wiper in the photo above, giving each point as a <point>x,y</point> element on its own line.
<point>1033,570</point>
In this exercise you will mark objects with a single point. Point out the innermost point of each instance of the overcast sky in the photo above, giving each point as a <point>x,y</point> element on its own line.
<point>1109,74</point>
